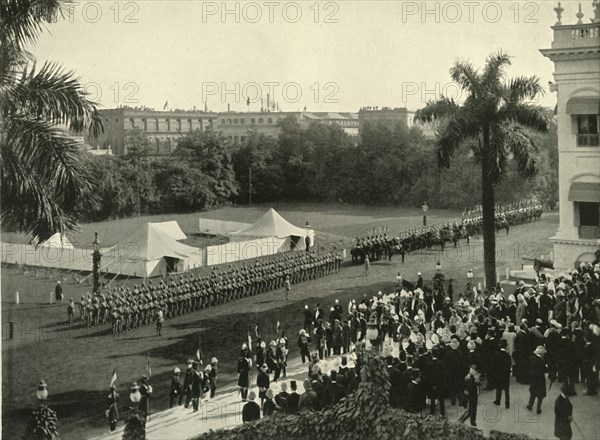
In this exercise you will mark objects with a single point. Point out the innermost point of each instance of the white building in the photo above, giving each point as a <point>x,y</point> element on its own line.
<point>575,52</point>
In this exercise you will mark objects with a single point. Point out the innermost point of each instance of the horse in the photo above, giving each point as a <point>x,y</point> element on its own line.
<point>502,224</point>
<point>393,246</point>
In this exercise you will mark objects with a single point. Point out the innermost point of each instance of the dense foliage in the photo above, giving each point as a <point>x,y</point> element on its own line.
<point>365,414</point>
<point>319,163</point>
<point>42,425</point>
<point>45,183</point>
<point>135,426</point>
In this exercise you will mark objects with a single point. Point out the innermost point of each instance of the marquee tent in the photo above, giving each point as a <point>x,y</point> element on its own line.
<point>58,241</point>
<point>151,252</point>
<point>271,224</point>
<point>170,228</point>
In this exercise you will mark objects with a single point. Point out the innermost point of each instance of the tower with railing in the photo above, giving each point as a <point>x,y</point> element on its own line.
<point>575,52</point>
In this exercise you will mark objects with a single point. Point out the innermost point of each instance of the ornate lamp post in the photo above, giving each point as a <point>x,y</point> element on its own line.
<point>425,209</point>
<point>96,257</point>
<point>42,392</point>
<point>372,332</point>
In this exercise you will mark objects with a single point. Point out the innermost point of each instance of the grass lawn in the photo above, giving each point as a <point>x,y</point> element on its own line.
<point>77,364</point>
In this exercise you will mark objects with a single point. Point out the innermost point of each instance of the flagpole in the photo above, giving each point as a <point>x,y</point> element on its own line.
<point>149,371</point>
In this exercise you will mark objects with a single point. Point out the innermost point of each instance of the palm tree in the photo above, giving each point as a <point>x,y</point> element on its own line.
<point>45,179</point>
<point>493,119</point>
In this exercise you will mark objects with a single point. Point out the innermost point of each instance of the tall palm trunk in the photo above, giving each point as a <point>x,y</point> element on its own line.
<point>488,211</point>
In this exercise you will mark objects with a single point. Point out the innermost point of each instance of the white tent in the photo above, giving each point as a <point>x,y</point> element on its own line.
<point>271,224</point>
<point>152,252</point>
<point>58,241</point>
<point>170,228</point>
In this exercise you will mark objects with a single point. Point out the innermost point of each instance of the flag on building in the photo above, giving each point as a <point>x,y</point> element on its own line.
<point>113,378</point>
<point>166,104</point>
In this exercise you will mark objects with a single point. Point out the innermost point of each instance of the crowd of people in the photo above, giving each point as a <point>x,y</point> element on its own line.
<point>377,245</point>
<point>440,348</point>
<point>130,308</point>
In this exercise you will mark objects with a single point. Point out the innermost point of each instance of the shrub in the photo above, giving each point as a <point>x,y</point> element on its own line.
<point>43,425</point>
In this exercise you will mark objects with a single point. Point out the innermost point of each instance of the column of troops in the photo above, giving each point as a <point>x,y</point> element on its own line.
<point>129,308</point>
<point>376,246</point>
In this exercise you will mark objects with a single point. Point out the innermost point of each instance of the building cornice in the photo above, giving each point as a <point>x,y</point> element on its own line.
<point>591,243</point>
<point>571,55</point>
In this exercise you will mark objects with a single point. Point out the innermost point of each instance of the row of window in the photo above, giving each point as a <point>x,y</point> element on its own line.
<point>252,121</point>
<point>179,125</point>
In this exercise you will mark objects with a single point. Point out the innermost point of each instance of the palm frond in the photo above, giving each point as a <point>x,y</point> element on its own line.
<point>458,129</point>
<point>524,150</point>
<point>494,67</point>
<point>525,114</point>
<point>44,177</point>
<point>54,95</point>
<point>466,76</point>
<point>523,87</point>
<point>21,21</point>
<point>496,155</point>
<point>436,110</point>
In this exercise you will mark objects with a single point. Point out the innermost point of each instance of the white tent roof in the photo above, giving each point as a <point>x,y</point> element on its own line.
<point>151,243</point>
<point>271,224</point>
<point>170,228</point>
<point>58,241</point>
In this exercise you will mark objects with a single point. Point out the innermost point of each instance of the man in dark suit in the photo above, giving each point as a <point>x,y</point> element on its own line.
<point>251,410</point>
<point>435,373</point>
<point>502,365</point>
<point>537,383</point>
<point>395,382</point>
<point>415,397</point>
<point>293,399</point>
<point>472,382</point>
<point>563,415</point>
<point>282,397</point>
<point>456,369</point>
<point>308,319</point>
<point>334,392</point>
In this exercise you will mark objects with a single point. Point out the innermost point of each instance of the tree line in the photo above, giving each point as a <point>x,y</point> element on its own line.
<point>383,165</point>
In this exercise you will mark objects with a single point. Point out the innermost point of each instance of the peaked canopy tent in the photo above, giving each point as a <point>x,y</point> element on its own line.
<point>271,224</point>
<point>151,252</point>
<point>170,228</point>
<point>59,241</point>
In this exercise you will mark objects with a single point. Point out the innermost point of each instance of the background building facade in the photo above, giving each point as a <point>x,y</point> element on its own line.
<point>575,52</point>
<point>163,128</point>
<point>237,126</point>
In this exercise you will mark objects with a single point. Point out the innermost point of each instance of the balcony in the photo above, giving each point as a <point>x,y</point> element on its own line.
<point>576,36</point>
<point>589,232</point>
<point>588,140</point>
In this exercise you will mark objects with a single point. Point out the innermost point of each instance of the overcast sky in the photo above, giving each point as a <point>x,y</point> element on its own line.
<point>326,56</point>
